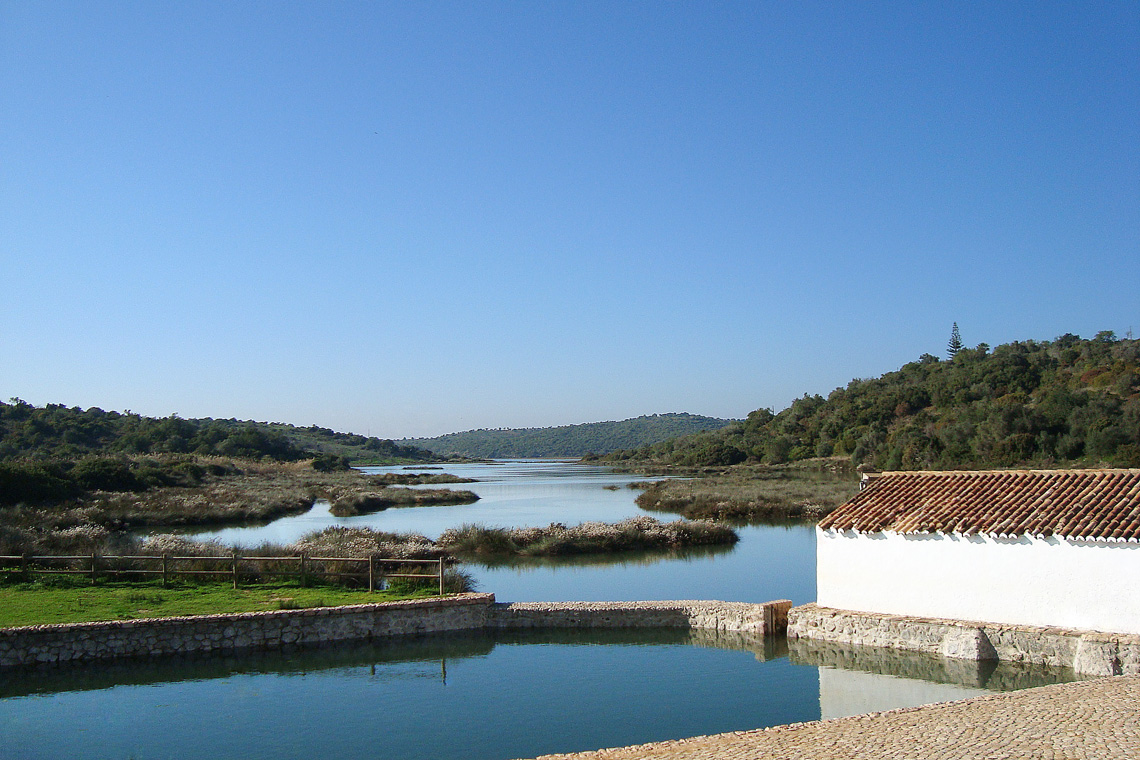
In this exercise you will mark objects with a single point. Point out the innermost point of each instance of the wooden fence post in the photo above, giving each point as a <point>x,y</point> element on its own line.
<point>165,569</point>
<point>371,573</point>
<point>25,560</point>
<point>233,561</point>
<point>94,567</point>
<point>441,576</point>
<point>304,577</point>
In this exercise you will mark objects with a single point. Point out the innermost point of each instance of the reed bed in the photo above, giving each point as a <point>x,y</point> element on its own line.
<point>228,491</point>
<point>133,559</point>
<point>417,478</point>
<point>384,498</point>
<point>588,538</point>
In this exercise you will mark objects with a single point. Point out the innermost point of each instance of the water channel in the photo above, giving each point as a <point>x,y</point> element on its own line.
<point>770,561</point>
<point>504,695</point>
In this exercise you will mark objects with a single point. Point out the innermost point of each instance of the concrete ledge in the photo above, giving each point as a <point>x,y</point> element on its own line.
<point>278,629</point>
<point>1087,652</point>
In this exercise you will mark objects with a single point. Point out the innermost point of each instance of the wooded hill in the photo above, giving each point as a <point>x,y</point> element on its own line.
<point>1061,402</point>
<point>568,440</point>
<point>57,431</point>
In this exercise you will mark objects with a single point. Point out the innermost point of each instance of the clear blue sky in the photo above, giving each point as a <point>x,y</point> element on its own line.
<point>415,218</point>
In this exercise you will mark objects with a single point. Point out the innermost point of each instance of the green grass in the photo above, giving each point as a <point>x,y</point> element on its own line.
<point>73,601</point>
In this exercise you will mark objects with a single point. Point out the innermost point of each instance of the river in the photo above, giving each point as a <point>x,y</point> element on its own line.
<point>770,561</point>
<point>492,696</point>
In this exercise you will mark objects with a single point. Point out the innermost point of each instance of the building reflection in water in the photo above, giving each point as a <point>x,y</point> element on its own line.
<point>854,680</point>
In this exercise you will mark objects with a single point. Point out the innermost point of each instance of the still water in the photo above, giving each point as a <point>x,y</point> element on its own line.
<point>770,561</point>
<point>476,696</point>
<point>490,696</point>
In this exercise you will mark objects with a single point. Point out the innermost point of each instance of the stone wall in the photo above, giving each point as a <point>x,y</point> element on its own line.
<point>1087,652</point>
<point>250,630</point>
<point>279,629</point>
<point>761,619</point>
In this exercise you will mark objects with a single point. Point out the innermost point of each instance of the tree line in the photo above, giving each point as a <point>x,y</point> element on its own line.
<point>1026,403</point>
<point>568,440</point>
<point>58,431</point>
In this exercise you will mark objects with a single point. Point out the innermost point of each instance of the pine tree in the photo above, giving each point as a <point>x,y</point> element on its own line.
<point>955,343</point>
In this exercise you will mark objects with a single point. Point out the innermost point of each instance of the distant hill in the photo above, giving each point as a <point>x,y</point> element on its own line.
<point>1069,401</point>
<point>70,432</point>
<point>567,440</point>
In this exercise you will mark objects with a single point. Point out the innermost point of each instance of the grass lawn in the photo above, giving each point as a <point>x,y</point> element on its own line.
<point>73,601</point>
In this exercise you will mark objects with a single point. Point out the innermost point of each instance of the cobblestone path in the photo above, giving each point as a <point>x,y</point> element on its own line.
<point>1089,720</point>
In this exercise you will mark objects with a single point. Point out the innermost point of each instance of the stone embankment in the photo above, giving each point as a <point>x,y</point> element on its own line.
<point>29,645</point>
<point>762,619</point>
<point>1086,652</point>
<point>1090,720</point>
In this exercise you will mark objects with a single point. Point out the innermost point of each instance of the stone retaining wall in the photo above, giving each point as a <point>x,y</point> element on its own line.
<point>248,630</point>
<point>761,619</point>
<point>279,629</point>
<point>1087,652</point>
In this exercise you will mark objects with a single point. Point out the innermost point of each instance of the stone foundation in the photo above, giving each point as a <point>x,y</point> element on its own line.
<point>1087,652</point>
<point>30,645</point>
<point>761,619</point>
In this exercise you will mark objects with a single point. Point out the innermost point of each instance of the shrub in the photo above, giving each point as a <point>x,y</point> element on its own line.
<point>100,474</point>
<point>35,483</point>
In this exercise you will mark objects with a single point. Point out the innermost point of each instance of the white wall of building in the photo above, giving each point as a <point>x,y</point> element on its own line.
<point>1024,581</point>
<point>851,692</point>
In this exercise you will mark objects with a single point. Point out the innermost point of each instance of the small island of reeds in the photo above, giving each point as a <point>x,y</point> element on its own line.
<point>384,498</point>
<point>417,478</point>
<point>636,533</point>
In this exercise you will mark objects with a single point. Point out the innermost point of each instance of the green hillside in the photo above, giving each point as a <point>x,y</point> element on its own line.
<point>568,440</point>
<point>1061,402</point>
<point>57,431</point>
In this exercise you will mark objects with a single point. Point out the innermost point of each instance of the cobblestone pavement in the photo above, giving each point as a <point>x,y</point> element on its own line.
<point>1089,720</point>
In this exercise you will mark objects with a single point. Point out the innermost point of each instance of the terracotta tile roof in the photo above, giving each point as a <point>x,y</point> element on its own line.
<point>1085,504</point>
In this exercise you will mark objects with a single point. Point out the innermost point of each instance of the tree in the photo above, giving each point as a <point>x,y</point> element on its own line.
<point>955,343</point>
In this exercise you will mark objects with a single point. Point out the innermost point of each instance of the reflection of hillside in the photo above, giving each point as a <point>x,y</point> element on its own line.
<point>433,651</point>
<point>103,675</point>
<point>631,558</point>
<point>986,674</point>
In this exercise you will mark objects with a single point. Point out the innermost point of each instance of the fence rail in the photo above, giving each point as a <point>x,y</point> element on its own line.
<point>373,570</point>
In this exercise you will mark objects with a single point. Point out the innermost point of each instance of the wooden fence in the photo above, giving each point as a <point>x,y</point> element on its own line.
<point>373,570</point>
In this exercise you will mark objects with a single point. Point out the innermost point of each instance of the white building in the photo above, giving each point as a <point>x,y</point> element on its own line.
<point>1029,547</point>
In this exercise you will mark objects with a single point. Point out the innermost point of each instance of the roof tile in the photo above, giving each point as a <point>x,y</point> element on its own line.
<point>1093,504</point>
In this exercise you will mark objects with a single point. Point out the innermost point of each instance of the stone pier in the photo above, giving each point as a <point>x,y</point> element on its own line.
<point>1086,652</point>
<point>278,629</point>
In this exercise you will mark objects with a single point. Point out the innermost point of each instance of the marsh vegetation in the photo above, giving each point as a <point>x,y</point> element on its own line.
<point>746,493</point>
<point>556,539</point>
<point>418,478</point>
<point>387,497</point>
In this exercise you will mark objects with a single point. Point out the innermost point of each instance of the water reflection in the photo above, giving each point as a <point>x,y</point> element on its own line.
<point>511,494</point>
<point>482,695</point>
<point>642,558</point>
<point>854,680</point>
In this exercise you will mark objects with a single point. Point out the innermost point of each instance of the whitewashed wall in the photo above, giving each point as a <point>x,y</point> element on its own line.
<point>1022,581</point>
<point>843,693</point>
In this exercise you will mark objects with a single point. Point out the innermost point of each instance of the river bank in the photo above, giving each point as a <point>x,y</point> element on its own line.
<point>805,491</point>
<point>207,492</point>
